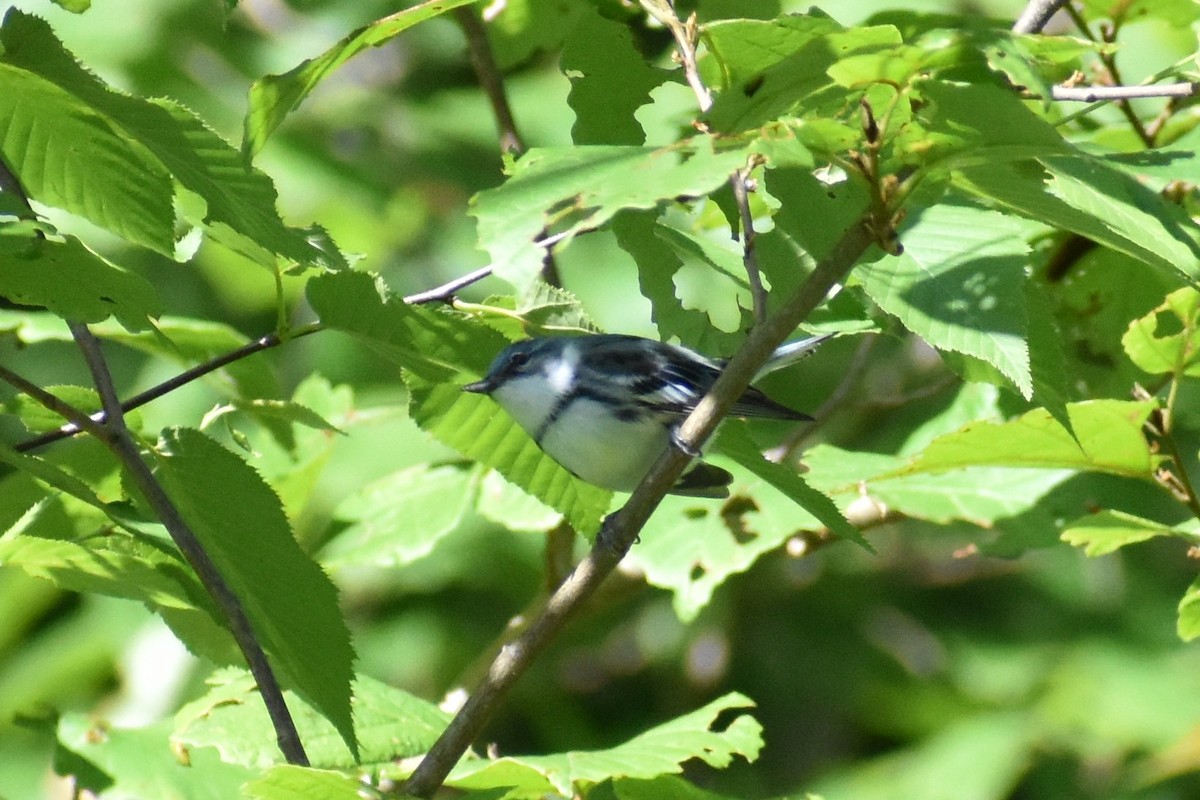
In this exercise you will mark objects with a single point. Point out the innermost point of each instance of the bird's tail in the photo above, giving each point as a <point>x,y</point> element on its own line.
<point>791,352</point>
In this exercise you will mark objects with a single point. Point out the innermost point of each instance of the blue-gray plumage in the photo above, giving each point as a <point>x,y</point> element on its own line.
<point>605,406</point>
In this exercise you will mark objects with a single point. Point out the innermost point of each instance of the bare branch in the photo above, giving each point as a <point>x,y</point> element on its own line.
<point>1036,14</point>
<point>1096,94</point>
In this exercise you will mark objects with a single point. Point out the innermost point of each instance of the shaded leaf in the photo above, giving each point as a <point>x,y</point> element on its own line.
<point>291,603</point>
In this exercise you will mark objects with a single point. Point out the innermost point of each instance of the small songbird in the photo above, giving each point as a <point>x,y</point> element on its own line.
<point>606,406</point>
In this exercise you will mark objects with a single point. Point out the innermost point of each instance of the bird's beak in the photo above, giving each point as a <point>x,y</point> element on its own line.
<point>484,386</point>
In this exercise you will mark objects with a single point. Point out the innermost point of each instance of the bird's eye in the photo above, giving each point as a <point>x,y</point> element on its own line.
<point>518,359</point>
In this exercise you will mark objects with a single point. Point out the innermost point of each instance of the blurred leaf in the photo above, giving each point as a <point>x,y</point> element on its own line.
<point>383,528</point>
<point>1189,613</point>
<point>1107,531</point>
<point>1167,340</point>
<point>665,787</point>
<point>391,724</point>
<point>659,751</point>
<point>291,603</point>
<point>286,411</point>
<point>610,80</point>
<point>168,139</point>
<point>976,494</point>
<point>981,757</point>
<point>958,285</point>
<point>273,97</point>
<point>505,504</point>
<point>693,546</point>
<point>288,782</point>
<point>142,762</point>
<point>564,191</point>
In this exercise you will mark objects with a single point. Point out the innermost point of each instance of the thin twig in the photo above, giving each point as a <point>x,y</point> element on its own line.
<point>171,384</point>
<point>1036,14</point>
<point>121,442</point>
<point>448,289</point>
<point>1095,94</point>
<point>440,293</point>
<point>685,35</point>
<point>491,81</point>
<point>52,403</point>
<point>621,528</point>
<point>834,403</point>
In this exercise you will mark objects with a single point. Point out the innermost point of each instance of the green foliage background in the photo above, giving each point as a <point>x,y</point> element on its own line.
<point>1021,627</point>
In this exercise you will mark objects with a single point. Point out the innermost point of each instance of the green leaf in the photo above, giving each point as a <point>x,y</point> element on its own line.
<point>1188,625</point>
<point>119,565</point>
<point>439,352</point>
<point>1048,364</point>
<point>660,751</point>
<point>380,529</point>
<point>1087,197</point>
<point>76,284</point>
<point>786,68</point>
<point>610,80</point>
<point>171,137</point>
<point>292,605</point>
<point>958,285</point>
<point>142,762</point>
<point>734,441</point>
<point>979,495</point>
<point>1108,438</point>
<point>391,724</point>
<point>568,190</point>
<point>288,782</point>
<point>974,125</point>
<point>1167,340</point>
<point>666,787</point>
<point>978,756</point>
<point>1109,530</point>
<point>68,155</point>
<point>273,97</point>
<point>38,419</point>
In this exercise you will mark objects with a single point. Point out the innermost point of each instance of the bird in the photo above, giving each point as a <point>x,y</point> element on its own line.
<point>606,406</point>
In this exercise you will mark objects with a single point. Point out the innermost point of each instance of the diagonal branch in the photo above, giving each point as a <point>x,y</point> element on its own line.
<point>1036,14</point>
<point>118,439</point>
<point>621,529</point>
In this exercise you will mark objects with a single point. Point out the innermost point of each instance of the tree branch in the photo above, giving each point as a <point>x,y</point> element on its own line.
<point>436,294</point>
<point>491,81</point>
<point>621,528</point>
<point>1036,14</point>
<point>1095,94</point>
<point>120,441</point>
